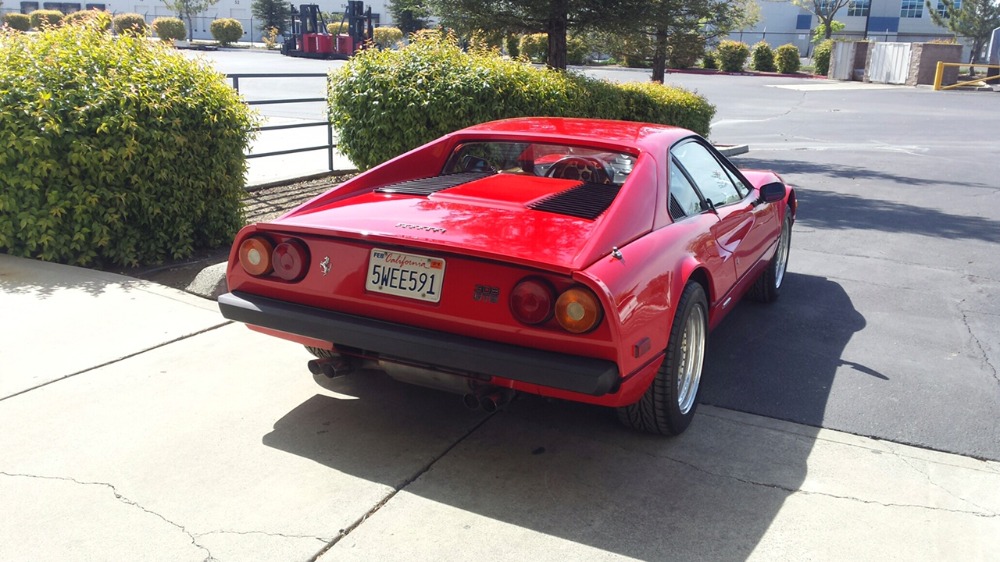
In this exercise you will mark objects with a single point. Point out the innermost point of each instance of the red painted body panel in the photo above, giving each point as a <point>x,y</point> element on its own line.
<point>488,237</point>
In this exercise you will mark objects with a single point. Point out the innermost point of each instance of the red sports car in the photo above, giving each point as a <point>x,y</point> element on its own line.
<point>572,258</point>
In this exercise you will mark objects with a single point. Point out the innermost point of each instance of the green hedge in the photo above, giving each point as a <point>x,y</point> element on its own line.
<point>170,28</point>
<point>732,55</point>
<point>226,30</point>
<point>98,18</point>
<point>788,59</point>
<point>115,151</point>
<point>383,103</point>
<point>45,18</point>
<point>17,22</point>
<point>762,57</point>
<point>129,24</point>
<point>387,37</point>
<point>535,46</point>
<point>821,57</point>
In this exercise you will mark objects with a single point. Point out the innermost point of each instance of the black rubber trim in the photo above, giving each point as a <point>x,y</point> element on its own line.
<point>585,375</point>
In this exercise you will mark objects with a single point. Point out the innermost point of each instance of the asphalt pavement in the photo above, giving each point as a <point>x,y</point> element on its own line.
<point>141,425</point>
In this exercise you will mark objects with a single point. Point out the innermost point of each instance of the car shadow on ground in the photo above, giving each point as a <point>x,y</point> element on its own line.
<point>570,471</point>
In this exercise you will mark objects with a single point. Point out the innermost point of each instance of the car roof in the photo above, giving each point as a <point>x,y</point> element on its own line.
<point>630,134</point>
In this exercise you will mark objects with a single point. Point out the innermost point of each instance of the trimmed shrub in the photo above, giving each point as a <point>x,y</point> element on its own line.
<point>513,44</point>
<point>788,59</point>
<point>821,57</point>
<point>685,49</point>
<point>45,18</point>
<point>535,46</point>
<point>116,151</point>
<point>95,17</point>
<point>17,22</point>
<point>387,37</point>
<point>337,28</point>
<point>732,55</point>
<point>170,29</point>
<point>383,103</point>
<point>226,30</point>
<point>762,57</point>
<point>709,61</point>
<point>129,24</point>
<point>576,50</point>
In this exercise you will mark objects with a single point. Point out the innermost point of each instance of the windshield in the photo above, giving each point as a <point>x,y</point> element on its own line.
<point>542,159</point>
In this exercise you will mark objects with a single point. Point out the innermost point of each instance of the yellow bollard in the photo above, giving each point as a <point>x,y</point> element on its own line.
<point>938,75</point>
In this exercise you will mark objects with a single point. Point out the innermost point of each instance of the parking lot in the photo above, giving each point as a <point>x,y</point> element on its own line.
<point>858,417</point>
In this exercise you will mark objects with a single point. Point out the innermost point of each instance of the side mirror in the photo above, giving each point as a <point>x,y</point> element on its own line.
<point>772,192</point>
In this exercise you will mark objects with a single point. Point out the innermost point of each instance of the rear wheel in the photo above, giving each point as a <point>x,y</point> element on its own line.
<point>669,403</point>
<point>767,288</point>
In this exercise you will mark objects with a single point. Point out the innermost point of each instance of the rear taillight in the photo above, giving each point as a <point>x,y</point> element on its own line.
<point>532,301</point>
<point>255,255</point>
<point>578,310</point>
<point>289,260</point>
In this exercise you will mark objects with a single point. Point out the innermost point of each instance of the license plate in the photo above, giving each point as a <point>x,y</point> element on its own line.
<point>405,275</point>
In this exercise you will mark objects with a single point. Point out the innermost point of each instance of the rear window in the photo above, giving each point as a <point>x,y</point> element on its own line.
<point>543,160</point>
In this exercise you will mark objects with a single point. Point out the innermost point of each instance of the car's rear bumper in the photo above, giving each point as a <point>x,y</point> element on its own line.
<point>573,373</point>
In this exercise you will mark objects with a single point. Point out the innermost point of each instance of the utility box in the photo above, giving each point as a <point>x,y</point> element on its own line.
<point>847,61</point>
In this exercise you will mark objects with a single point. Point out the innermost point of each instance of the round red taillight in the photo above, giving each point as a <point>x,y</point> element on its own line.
<point>578,310</point>
<point>531,301</point>
<point>255,255</point>
<point>289,260</point>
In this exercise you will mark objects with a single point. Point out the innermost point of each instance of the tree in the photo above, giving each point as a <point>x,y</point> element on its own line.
<point>975,19</point>
<point>553,17</point>
<point>187,9</point>
<point>824,10</point>
<point>669,23</point>
<point>410,15</point>
<point>271,14</point>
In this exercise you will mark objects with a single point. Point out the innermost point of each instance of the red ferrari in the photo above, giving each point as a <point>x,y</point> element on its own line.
<point>578,259</point>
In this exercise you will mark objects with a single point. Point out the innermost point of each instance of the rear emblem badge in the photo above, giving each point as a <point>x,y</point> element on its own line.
<point>325,265</point>
<point>420,227</point>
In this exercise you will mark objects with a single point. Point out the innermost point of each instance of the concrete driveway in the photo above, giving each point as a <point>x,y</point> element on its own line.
<point>140,425</point>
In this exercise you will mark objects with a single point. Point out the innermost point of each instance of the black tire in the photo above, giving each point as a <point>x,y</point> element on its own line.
<point>767,288</point>
<point>666,408</point>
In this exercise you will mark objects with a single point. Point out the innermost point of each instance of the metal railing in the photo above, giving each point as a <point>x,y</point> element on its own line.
<point>939,75</point>
<point>329,146</point>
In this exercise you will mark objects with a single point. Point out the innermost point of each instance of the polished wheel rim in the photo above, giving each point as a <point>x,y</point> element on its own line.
<point>782,256</point>
<point>692,357</point>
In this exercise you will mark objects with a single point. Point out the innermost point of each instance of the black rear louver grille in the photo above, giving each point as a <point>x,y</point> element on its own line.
<point>586,201</point>
<point>427,186</point>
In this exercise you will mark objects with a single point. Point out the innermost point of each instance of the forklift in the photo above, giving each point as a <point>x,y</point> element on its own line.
<point>310,38</point>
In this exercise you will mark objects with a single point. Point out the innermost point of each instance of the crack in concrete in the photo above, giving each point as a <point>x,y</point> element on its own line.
<point>397,489</point>
<point>265,533</point>
<point>123,499</point>
<point>984,356</point>
<point>890,447</point>
<point>120,359</point>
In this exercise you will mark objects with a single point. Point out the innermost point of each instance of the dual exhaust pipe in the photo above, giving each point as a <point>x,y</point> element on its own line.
<point>488,399</point>
<point>330,366</point>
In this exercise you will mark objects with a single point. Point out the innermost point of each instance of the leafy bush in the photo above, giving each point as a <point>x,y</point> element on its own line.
<point>709,61</point>
<point>383,103</point>
<point>170,29</point>
<point>535,46</point>
<point>788,59</point>
<point>513,44</point>
<point>762,57</point>
<point>45,18</point>
<point>733,55</point>
<point>95,17</point>
<point>819,34</point>
<point>115,151</point>
<point>821,57</point>
<point>337,28</point>
<point>226,30</point>
<point>576,50</point>
<point>129,24</point>
<point>387,37</point>
<point>685,50</point>
<point>17,22</point>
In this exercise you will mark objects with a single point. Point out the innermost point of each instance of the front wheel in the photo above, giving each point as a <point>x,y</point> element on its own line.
<point>767,288</point>
<point>669,403</point>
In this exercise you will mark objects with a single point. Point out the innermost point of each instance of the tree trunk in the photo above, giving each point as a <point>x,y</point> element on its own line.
<point>556,28</point>
<point>660,56</point>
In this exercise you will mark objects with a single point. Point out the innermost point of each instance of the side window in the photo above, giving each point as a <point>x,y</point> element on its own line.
<point>712,179</point>
<point>684,199</point>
